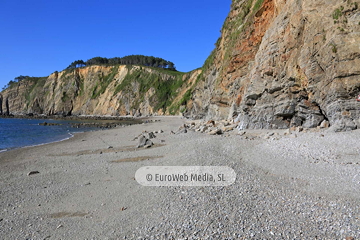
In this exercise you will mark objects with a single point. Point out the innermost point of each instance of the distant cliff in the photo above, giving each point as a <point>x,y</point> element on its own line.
<point>102,90</point>
<point>277,64</point>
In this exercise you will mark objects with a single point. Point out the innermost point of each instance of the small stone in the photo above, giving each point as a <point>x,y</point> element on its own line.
<point>109,147</point>
<point>211,122</point>
<point>101,152</point>
<point>123,208</point>
<point>324,124</point>
<point>60,226</point>
<point>33,173</point>
<point>203,128</point>
<point>216,132</point>
<point>242,133</point>
<point>151,135</point>
<point>287,132</point>
<point>184,130</point>
<point>229,128</point>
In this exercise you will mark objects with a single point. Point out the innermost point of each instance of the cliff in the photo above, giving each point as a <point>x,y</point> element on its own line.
<point>102,90</point>
<point>284,63</point>
<point>277,64</point>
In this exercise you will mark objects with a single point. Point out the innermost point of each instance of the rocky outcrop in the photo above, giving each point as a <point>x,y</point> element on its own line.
<point>280,64</point>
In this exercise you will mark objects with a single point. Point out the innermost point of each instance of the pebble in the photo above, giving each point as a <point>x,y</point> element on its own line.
<point>33,173</point>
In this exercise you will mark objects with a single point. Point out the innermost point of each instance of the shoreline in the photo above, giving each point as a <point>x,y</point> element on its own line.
<point>70,117</point>
<point>87,182</point>
<point>40,144</point>
<point>96,124</point>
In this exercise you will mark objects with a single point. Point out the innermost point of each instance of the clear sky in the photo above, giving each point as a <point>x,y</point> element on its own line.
<point>39,37</point>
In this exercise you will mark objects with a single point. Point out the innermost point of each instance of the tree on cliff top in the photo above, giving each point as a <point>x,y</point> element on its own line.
<point>148,61</point>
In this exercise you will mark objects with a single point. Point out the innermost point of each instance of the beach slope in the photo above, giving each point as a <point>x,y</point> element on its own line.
<point>296,186</point>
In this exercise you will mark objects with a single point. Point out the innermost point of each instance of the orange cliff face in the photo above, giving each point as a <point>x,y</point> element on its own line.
<point>284,63</point>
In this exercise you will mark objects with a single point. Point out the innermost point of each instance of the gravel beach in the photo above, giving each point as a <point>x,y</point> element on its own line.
<point>303,185</point>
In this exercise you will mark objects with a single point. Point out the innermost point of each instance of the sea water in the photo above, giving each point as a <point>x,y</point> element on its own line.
<point>15,133</point>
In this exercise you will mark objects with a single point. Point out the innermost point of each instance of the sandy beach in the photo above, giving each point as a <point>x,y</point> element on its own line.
<point>304,185</point>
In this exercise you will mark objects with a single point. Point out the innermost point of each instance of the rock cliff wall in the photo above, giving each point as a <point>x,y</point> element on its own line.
<point>101,90</point>
<point>284,63</point>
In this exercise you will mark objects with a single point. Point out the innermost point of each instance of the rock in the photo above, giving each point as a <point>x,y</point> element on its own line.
<point>60,226</point>
<point>33,173</point>
<point>216,132</point>
<point>299,129</point>
<point>229,128</point>
<point>203,128</point>
<point>210,123</point>
<point>183,130</point>
<point>268,135</point>
<point>349,238</point>
<point>109,147</point>
<point>151,135</point>
<point>325,124</point>
<point>49,124</point>
<point>172,132</point>
<point>344,124</point>
<point>242,133</point>
<point>287,132</point>
<point>142,141</point>
<point>149,143</point>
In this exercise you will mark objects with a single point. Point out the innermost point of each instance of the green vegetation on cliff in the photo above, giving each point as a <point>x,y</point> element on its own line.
<point>104,82</point>
<point>164,83</point>
<point>36,86</point>
<point>148,61</point>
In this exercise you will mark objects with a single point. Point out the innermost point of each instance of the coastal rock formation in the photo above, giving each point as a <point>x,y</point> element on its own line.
<point>102,90</point>
<point>277,64</point>
<point>281,63</point>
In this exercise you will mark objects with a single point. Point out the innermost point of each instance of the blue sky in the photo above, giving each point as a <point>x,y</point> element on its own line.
<point>39,37</point>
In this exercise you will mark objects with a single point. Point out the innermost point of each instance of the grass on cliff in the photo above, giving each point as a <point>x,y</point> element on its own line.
<point>164,82</point>
<point>37,84</point>
<point>104,82</point>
